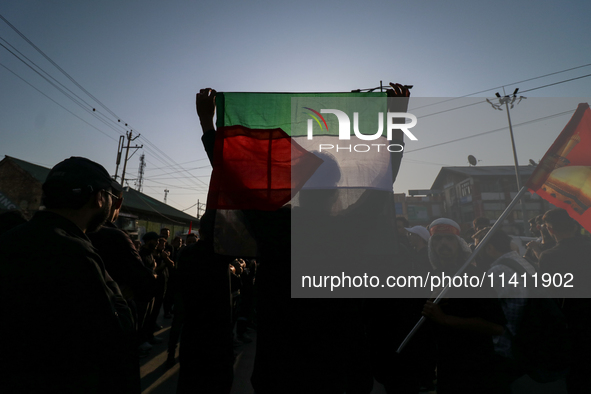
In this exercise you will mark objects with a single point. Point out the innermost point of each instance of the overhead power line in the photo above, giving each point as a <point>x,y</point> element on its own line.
<point>491,131</point>
<point>88,110</point>
<point>196,188</point>
<point>28,83</point>
<point>482,102</point>
<point>557,83</point>
<point>57,66</point>
<point>186,162</point>
<point>161,155</point>
<point>156,154</point>
<point>509,84</point>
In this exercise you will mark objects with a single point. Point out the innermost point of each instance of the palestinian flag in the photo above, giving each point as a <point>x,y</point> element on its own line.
<point>260,163</point>
<point>334,156</point>
<point>563,176</point>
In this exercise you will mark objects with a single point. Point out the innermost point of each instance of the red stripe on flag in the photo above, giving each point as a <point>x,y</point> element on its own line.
<point>252,169</point>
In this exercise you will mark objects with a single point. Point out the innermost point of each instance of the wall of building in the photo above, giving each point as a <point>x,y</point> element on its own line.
<point>145,226</point>
<point>467,198</point>
<point>18,189</point>
<point>419,210</point>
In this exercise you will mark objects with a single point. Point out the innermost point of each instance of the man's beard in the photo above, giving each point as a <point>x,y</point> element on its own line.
<point>446,253</point>
<point>99,219</point>
<point>447,258</point>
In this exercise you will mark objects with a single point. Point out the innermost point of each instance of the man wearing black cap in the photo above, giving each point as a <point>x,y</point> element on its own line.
<point>70,329</point>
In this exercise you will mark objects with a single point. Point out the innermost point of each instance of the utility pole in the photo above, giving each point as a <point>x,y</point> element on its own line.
<point>140,175</point>
<point>127,157</point>
<point>198,209</point>
<point>511,100</point>
<point>165,194</point>
<point>119,150</point>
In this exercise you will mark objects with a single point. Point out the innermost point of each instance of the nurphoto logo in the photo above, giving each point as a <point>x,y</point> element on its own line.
<point>344,130</point>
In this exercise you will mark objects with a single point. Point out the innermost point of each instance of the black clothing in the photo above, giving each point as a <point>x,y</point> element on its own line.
<point>466,361</point>
<point>272,232</point>
<point>70,329</point>
<point>325,336</point>
<point>146,305</point>
<point>160,288</point>
<point>123,262</point>
<point>570,255</point>
<point>206,354</point>
<point>168,248</point>
<point>573,255</point>
<point>171,285</point>
<point>147,258</point>
<point>275,321</point>
<point>388,322</point>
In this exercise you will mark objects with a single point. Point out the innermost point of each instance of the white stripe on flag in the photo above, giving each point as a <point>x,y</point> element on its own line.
<point>350,163</point>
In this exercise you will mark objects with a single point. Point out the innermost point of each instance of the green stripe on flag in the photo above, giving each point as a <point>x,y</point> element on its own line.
<point>273,110</point>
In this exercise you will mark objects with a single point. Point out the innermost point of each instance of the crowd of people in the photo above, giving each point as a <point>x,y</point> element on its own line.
<point>522,328</point>
<point>84,299</point>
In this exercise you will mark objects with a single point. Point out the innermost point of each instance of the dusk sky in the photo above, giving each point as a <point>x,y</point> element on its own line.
<point>144,62</point>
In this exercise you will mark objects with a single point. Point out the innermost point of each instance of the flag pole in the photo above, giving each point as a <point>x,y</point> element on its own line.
<point>480,245</point>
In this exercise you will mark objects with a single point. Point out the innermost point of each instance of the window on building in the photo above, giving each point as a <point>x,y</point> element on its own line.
<point>465,189</point>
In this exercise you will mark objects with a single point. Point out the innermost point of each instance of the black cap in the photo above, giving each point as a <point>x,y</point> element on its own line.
<point>80,176</point>
<point>150,236</point>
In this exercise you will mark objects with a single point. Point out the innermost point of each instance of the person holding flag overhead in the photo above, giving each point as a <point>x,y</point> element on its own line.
<point>241,157</point>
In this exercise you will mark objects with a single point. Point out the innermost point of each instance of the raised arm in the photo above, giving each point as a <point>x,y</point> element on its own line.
<point>398,90</point>
<point>205,105</point>
<point>397,102</point>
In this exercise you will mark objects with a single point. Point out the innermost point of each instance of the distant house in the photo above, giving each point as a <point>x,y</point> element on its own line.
<point>469,192</point>
<point>20,188</point>
<point>420,207</point>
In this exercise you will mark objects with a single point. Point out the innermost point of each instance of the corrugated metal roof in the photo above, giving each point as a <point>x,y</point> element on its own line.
<point>37,172</point>
<point>132,199</point>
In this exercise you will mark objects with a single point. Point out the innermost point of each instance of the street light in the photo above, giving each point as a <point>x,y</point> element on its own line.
<point>511,100</point>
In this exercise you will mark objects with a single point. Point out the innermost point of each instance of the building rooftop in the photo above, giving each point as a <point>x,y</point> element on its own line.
<point>36,171</point>
<point>476,171</point>
<point>132,199</point>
